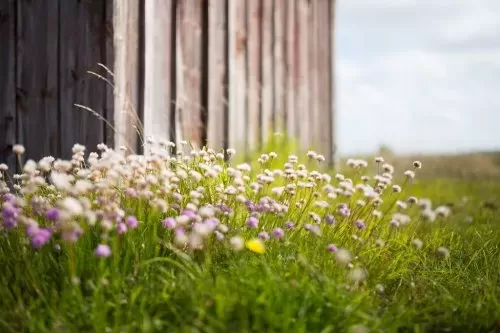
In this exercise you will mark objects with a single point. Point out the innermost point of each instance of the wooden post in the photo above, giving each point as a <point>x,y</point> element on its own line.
<point>237,74</point>
<point>217,74</point>
<point>126,42</point>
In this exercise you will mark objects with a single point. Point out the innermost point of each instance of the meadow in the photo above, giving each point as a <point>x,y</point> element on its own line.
<point>210,241</point>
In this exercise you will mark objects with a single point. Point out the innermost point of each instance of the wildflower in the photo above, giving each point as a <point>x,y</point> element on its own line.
<point>412,200</point>
<point>443,252</point>
<point>357,274</point>
<point>102,250</point>
<point>396,188</point>
<point>40,238</point>
<point>278,233</point>
<point>417,164</point>
<point>255,245</point>
<point>219,235</point>
<point>417,243</point>
<point>410,174</point>
<point>263,235</point>
<point>332,248</point>
<point>289,225</point>
<point>428,215</point>
<point>206,212</point>
<point>360,224</point>
<point>237,243</point>
<point>132,222</point>
<point>388,168</point>
<point>443,211</point>
<point>380,242</point>
<point>121,228</point>
<point>379,288</point>
<point>394,223</point>
<point>252,222</point>
<point>379,159</point>
<point>180,238</point>
<point>343,256</point>
<point>18,149</point>
<point>330,219</point>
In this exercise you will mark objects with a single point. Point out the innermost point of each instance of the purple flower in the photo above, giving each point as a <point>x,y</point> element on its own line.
<point>169,223</point>
<point>278,233</point>
<point>212,223</point>
<point>10,213</point>
<point>330,219</point>
<point>102,250</point>
<point>41,238</point>
<point>179,231</point>
<point>131,192</point>
<point>252,222</point>
<point>289,225</point>
<point>360,224</point>
<point>9,197</point>
<point>189,213</point>
<point>131,222</point>
<point>72,234</point>
<point>264,235</point>
<point>121,228</point>
<point>32,229</point>
<point>315,229</point>
<point>52,214</point>
<point>344,212</point>
<point>332,248</point>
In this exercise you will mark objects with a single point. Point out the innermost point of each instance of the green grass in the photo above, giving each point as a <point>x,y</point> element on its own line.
<point>149,285</point>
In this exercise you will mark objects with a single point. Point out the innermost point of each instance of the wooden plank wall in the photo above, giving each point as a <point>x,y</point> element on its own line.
<point>224,72</point>
<point>268,64</point>
<point>48,47</point>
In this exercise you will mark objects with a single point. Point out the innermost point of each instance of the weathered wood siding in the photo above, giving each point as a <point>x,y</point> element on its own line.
<point>227,73</point>
<point>48,47</point>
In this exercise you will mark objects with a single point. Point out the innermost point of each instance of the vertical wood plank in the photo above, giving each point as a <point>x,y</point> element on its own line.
<point>7,82</point>
<point>37,77</point>
<point>291,69</point>
<point>279,66</point>
<point>126,46</point>
<point>313,76</point>
<point>82,46</point>
<point>189,30</point>
<point>267,69</point>
<point>332,156</point>
<point>303,93</point>
<point>322,43</point>
<point>254,19</point>
<point>237,74</point>
<point>158,71</point>
<point>217,85</point>
<point>109,62</point>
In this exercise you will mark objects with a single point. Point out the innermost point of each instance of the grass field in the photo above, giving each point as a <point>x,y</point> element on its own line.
<point>198,245</point>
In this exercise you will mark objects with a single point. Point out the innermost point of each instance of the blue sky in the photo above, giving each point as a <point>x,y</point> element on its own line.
<point>421,76</point>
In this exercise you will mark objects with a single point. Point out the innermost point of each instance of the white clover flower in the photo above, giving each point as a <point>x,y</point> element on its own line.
<point>428,215</point>
<point>443,252</point>
<point>237,243</point>
<point>410,174</point>
<point>443,211</point>
<point>62,181</point>
<point>357,274</point>
<point>343,256</point>
<point>18,149</point>
<point>417,243</point>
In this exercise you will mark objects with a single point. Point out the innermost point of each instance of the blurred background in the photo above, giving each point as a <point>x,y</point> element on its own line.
<point>401,78</point>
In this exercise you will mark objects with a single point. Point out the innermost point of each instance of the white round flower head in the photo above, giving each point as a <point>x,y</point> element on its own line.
<point>311,154</point>
<point>18,149</point>
<point>237,243</point>
<point>320,158</point>
<point>379,159</point>
<point>343,256</point>
<point>417,243</point>
<point>379,288</point>
<point>410,174</point>
<point>3,167</point>
<point>443,252</point>
<point>230,151</point>
<point>71,206</point>
<point>388,168</point>
<point>206,212</point>
<point>357,274</point>
<point>417,164</point>
<point>396,188</point>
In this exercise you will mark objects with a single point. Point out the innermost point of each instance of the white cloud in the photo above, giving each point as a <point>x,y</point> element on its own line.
<point>418,75</point>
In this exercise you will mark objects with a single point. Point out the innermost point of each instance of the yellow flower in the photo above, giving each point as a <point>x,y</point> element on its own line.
<point>255,245</point>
